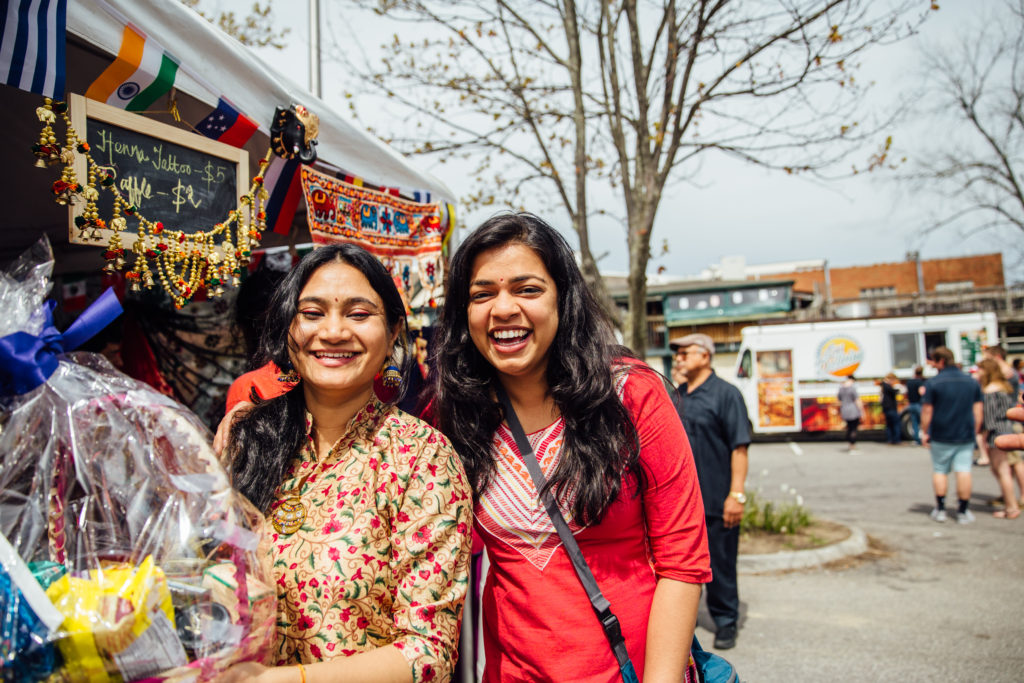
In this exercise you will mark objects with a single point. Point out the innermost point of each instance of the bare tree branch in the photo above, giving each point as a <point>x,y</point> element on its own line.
<point>976,91</point>
<point>255,29</point>
<point>557,95</point>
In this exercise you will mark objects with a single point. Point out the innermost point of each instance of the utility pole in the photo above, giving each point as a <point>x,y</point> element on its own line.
<point>314,48</point>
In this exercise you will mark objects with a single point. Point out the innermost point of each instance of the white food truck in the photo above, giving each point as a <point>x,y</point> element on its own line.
<point>789,373</point>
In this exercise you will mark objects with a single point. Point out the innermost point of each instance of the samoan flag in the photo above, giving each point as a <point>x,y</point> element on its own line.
<point>285,187</point>
<point>32,40</point>
<point>227,124</point>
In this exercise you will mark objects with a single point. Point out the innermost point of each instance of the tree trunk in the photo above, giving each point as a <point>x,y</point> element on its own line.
<point>639,255</point>
<point>578,211</point>
<point>642,202</point>
<point>593,278</point>
<point>636,331</point>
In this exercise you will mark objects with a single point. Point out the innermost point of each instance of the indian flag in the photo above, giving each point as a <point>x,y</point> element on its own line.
<point>141,74</point>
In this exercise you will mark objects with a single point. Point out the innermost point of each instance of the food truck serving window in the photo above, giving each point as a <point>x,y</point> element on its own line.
<point>905,350</point>
<point>744,369</point>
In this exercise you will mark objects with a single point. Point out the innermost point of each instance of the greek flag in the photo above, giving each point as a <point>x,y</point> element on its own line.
<point>32,36</point>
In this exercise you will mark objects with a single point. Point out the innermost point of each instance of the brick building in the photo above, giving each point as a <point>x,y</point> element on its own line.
<point>888,279</point>
<point>730,296</point>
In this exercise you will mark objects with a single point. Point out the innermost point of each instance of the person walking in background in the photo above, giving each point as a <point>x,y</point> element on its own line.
<point>716,422</point>
<point>915,389</point>
<point>997,354</point>
<point>890,389</point>
<point>951,417</point>
<point>998,397</point>
<point>851,409</point>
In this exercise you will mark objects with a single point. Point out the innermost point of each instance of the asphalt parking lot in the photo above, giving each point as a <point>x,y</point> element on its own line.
<point>929,602</point>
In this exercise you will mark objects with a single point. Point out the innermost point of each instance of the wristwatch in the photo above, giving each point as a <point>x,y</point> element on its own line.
<point>739,496</point>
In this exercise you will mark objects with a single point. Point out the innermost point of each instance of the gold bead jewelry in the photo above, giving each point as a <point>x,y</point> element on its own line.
<point>184,262</point>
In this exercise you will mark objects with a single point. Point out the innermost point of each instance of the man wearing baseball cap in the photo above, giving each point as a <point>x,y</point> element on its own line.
<point>716,422</point>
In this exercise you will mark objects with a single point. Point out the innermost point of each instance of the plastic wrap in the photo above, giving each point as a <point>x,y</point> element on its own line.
<point>125,553</point>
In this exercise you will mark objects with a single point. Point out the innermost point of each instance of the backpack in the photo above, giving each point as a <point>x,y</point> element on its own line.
<point>711,668</point>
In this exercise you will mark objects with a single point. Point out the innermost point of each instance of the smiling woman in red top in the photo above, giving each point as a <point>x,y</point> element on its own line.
<point>518,313</point>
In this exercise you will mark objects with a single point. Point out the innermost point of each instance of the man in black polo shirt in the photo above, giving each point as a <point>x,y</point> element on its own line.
<point>951,416</point>
<point>716,423</point>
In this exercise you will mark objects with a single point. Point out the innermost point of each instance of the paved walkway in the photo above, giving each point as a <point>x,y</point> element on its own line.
<point>946,604</point>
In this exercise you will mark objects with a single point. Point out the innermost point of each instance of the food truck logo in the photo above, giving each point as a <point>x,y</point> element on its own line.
<point>839,356</point>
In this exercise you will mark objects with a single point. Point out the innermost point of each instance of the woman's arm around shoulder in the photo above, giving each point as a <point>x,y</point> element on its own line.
<point>431,541</point>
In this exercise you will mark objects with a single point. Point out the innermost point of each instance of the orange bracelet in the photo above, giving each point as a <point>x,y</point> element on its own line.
<point>302,673</point>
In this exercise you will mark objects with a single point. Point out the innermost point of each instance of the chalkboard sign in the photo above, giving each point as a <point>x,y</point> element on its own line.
<point>184,180</point>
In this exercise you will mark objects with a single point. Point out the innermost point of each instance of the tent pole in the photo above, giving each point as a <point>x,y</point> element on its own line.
<point>314,48</point>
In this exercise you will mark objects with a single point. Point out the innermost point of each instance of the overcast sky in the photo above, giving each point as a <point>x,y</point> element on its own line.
<point>739,209</point>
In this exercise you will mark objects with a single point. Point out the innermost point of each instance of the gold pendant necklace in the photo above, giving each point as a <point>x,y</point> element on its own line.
<point>290,512</point>
<point>288,516</point>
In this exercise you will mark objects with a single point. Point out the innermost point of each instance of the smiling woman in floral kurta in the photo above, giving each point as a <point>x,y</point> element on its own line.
<point>377,545</point>
<point>368,508</point>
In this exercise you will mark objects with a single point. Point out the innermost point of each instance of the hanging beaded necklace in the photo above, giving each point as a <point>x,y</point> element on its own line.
<point>289,511</point>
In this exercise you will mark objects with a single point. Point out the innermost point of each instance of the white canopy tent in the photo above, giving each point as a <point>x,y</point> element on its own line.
<point>213,64</point>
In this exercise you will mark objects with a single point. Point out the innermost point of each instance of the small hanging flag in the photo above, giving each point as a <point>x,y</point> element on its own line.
<point>228,125</point>
<point>285,188</point>
<point>32,39</point>
<point>142,73</point>
<point>73,295</point>
<point>448,221</point>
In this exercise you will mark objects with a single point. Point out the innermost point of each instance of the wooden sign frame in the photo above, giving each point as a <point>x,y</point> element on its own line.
<point>82,110</point>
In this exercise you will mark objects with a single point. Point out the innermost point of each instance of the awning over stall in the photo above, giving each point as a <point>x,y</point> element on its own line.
<point>212,64</point>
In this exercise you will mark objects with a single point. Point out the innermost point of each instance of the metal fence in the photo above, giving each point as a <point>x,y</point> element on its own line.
<point>1006,302</point>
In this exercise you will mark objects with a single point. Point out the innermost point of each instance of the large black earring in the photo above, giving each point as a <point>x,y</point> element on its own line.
<point>291,375</point>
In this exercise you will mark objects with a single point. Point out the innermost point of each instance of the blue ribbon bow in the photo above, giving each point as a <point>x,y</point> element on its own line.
<point>27,361</point>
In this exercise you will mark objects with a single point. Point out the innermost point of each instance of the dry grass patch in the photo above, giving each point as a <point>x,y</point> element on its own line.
<point>817,534</point>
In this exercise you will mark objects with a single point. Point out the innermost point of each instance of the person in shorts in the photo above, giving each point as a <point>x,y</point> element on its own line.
<point>951,415</point>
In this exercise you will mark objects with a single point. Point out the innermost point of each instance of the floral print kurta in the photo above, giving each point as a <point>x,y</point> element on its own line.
<point>383,554</point>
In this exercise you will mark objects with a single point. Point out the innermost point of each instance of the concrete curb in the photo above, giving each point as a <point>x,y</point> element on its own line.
<point>856,544</point>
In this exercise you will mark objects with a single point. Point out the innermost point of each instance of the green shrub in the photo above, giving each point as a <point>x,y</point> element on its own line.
<point>771,517</point>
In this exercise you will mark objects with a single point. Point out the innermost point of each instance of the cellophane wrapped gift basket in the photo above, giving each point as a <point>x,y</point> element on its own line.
<point>125,554</point>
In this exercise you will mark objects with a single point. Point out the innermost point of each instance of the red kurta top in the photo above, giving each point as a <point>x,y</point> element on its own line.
<point>538,622</point>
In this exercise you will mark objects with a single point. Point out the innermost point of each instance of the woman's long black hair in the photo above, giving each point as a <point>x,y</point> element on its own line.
<point>266,439</point>
<point>600,441</point>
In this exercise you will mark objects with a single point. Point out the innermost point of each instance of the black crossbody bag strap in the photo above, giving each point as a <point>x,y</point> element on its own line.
<point>602,608</point>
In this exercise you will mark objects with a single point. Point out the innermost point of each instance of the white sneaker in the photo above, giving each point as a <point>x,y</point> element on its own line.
<point>938,515</point>
<point>965,517</point>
